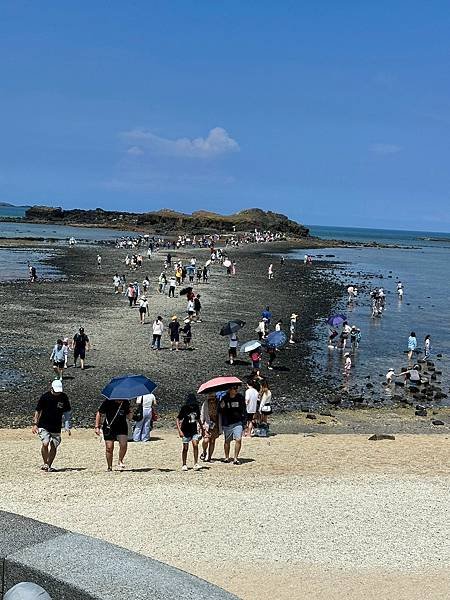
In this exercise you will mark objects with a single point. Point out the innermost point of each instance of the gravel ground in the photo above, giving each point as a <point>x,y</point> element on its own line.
<point>332,516</point>
<point>37,314</point>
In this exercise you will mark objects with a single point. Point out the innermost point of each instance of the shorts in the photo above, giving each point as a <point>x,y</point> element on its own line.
<point>58,363</point>
<point>174,338</point>
<point>250,416</point>
<point>193,438</point>
<point>46,437</point>
<point>187,340</point>
<point>79,352</point>
<point>232,352</point>
<point>113,436</point>
<point>256,364</point>
<point>142,311</point>
<point>233,432</point>
<point>191,313</point>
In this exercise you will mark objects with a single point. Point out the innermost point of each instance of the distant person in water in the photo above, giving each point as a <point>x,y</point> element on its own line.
<point>32,272</point>
<point>99,261</point>
<point>427,346</point>
<point>412,344</point>
<point>347,364</point>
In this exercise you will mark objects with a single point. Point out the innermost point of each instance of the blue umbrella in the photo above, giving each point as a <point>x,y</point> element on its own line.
<point>276,339</point>
<point>128,387</point>
<point>336,320</point>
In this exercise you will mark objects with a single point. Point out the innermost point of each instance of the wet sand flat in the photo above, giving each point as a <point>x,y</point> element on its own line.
<point>331,516</point>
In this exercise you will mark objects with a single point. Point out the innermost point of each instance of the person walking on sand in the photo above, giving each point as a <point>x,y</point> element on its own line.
<point>172,286</point>
<point>52,408</point>
<point>142,428</point>
<point>116,282</point>
<point>265,402</point>
<point>57,358</point>
<point>261,329</point>
<point>270,271</point>
<point>187,334</point>
<point>232,410</point>
<point>143,309</point>
<point>292,327</point>
<point>158,328</point>
<point>251,403</point>
<point>162,282</point>
<point>427,346</point>
<point>137,293</point>
<point>189,430</point>
<point>255,357</point>
<point>197,308</point>
<point>80,345</point>
<point>66,351</point>
<point>412,344</point>
<point>130,294</point>
<point>174,333</point>
<point>205,274</point>
<point>211,424</point>
<point>232,347</point>
<point>99,261</point>
<point>112,419</point>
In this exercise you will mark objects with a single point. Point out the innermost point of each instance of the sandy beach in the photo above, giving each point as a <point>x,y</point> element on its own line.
<point>325,517</point>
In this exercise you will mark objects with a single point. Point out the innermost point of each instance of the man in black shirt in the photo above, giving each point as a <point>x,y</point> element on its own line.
<point>232,408</point>
<point>189,429</point>
<point>174,332</point>
<point>80,344</point>
<point>52,408</point>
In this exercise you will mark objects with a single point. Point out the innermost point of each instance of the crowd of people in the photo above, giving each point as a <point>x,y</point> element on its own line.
<point>233,413</point>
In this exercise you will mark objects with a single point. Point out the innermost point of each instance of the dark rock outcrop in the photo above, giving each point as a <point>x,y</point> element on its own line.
<point>171,221</point>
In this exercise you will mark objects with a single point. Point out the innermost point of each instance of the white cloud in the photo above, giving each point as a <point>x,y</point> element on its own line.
<point>218,142</point>
<point>135,151</point>
<point>384,148</point>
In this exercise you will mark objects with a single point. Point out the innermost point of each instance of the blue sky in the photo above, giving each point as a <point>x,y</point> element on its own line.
<point>331,112</point>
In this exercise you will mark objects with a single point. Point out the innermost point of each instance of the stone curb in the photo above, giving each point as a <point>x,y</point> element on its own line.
<point>77,567</point>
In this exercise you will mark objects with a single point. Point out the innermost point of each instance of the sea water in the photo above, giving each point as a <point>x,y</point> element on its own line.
<point>425,274</point>
<point>14,262</point>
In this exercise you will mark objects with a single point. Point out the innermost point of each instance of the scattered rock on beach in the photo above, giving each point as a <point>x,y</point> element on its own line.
<point>311,416</point>
<point>437,422</point>
<point>381,436</point>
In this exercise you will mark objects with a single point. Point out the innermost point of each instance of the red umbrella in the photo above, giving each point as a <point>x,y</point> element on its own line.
<point>218,384</point>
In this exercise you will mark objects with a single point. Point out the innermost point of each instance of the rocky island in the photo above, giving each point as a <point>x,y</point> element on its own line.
<point>166,220</point>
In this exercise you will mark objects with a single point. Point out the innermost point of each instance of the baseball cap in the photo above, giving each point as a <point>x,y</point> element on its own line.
<point>57,386</point>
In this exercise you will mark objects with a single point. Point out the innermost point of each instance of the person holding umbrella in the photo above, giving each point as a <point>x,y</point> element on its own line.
<point>111,419</point>
<point>114,412</point>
